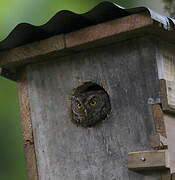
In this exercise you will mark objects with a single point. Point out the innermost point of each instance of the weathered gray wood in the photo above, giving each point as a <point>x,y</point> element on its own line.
<point>167,91</point>
<point>66,152</point>
<point>170,85</point>
<point>170,128</point>
<point>157,141</point>
<point>147,160</point>
<point>165,56</point>
<point>166,60</point>
<point>29,148</point>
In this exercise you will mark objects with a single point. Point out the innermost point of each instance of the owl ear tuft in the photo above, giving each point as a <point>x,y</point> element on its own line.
<point>73,97</point>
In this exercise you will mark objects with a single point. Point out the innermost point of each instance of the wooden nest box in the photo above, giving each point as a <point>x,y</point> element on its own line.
<point>132,60</point>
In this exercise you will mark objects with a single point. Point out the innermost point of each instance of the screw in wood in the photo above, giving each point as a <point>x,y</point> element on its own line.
<point>142,159</point>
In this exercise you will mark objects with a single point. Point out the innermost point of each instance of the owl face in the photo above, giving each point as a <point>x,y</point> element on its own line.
<point>90,107</point>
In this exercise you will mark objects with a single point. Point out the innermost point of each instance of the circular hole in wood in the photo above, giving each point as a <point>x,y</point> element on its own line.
<point>90,105</point>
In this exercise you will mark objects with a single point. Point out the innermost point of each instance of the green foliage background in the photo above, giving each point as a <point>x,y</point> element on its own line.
<point>11,150</point>
<point>13,12</point>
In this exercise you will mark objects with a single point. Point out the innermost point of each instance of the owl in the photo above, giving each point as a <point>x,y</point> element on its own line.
<point>88,108</point>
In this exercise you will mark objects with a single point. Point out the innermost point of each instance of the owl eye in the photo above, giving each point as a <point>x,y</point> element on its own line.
<point>79,106</point>
<point>93,103</point>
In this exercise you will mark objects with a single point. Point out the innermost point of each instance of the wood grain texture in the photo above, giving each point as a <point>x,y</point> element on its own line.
<point>153,160</point>
<point>30,160</point>
<point>135,25</point>
<point>159,119</point>
<point>157,141</point>
<point>170,85</point>
<point>109,29</point>
<point>33,52</point>
<point>166,60</point>
<point>29,148</point>
<point>167,93</point>
<point>65,152</point>
<point>170,126</point>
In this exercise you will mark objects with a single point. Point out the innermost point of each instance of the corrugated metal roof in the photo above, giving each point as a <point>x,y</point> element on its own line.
<point>67,21</point>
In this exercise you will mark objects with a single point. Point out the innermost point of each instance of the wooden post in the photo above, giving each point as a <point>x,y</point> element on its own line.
<point>29,149</point>
<point>127,59</point>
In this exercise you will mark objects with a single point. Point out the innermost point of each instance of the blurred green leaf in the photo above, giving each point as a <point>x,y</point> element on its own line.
<point>11,148</point>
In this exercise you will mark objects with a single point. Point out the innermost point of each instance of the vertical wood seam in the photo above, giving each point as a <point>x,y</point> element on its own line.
<point>29,147</point>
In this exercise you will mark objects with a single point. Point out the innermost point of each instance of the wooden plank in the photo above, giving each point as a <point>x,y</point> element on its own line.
<point>167,91</point>
<point>30,160</point>
<point>121,29</point>
<point>134,25</point>
<point>157,141</point>
<point>147,160</point>
<point>166,60</point>
<point>29,148</point>
<point>108,30</point>
<point>170,129</point>
<point>33,52</point>
<point>171,93</point>
<point>163,94</point>
<point>169,67</point>
<point>158,119</point>
<point>64,151</point>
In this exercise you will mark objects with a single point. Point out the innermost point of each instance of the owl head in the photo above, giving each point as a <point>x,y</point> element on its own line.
<point>88,108</point>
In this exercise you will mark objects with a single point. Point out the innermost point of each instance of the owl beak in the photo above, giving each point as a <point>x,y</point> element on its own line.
<point>85,112</point>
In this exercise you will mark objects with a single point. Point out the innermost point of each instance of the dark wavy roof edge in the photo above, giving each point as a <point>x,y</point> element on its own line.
<point>67,21</point>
